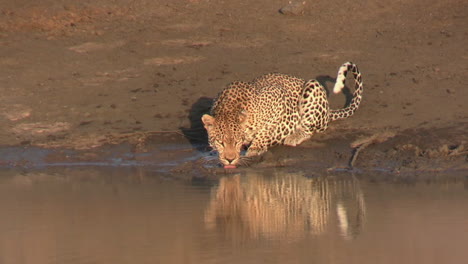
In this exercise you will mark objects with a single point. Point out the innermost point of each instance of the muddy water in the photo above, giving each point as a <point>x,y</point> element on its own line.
<point>134,215</point>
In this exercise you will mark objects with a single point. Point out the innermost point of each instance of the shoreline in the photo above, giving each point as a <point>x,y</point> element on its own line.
<point>424,151</point>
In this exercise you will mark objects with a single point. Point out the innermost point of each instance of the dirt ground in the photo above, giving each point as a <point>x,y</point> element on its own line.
<point>80,75</point>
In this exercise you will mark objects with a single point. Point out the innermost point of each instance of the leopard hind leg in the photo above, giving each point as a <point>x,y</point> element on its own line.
<point>313,108</point>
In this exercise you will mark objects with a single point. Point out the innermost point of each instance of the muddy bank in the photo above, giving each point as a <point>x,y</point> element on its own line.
<point>111,82</point>
<point>408,153</point>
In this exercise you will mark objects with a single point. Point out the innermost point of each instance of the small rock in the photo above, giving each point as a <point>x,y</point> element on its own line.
<point>293,8</point>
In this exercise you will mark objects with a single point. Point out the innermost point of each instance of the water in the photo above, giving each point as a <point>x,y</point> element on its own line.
<point>135,215</point>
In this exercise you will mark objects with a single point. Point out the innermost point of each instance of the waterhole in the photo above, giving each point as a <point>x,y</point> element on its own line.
<point>136,215</point>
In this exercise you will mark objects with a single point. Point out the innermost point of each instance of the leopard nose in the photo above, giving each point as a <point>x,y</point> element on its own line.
<point>230,160</point>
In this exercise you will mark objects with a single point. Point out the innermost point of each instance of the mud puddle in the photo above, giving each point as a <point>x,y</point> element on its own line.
<point>139,215</point>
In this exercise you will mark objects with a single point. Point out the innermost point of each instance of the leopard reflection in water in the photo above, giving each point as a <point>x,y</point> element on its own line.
<point>275,205</point>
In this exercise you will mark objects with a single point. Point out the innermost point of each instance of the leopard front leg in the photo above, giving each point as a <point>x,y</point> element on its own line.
<point>253,155</point>
<point>296,138</point>
<point>256,149</point>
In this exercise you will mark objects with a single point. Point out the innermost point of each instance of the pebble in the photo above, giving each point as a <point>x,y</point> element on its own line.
<point>293,8</point>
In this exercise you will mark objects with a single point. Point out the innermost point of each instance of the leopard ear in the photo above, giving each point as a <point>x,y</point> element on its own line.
<point>208,121</point>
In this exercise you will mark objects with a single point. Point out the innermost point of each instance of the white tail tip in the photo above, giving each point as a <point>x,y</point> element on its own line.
<point>339,85</point>
<point>341,78</point>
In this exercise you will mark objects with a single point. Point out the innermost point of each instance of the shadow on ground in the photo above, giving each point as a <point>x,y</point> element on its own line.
<point>196,133</point>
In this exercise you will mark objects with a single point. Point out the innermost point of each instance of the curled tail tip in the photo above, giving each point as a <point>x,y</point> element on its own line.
<point>338,87</point>
<point>341,78</point>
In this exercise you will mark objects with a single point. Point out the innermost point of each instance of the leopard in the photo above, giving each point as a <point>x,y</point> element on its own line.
<point>247,118</point>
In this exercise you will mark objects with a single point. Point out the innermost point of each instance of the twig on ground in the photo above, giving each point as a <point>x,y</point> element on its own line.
<point>363,143</point>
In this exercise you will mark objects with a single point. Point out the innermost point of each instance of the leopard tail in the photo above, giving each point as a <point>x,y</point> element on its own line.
<point>340,84</point>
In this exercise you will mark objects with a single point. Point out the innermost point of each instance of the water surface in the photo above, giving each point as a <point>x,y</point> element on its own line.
<point>135,215</point>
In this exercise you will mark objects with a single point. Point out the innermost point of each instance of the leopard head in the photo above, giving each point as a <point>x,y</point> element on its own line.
<point>226,135</point>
